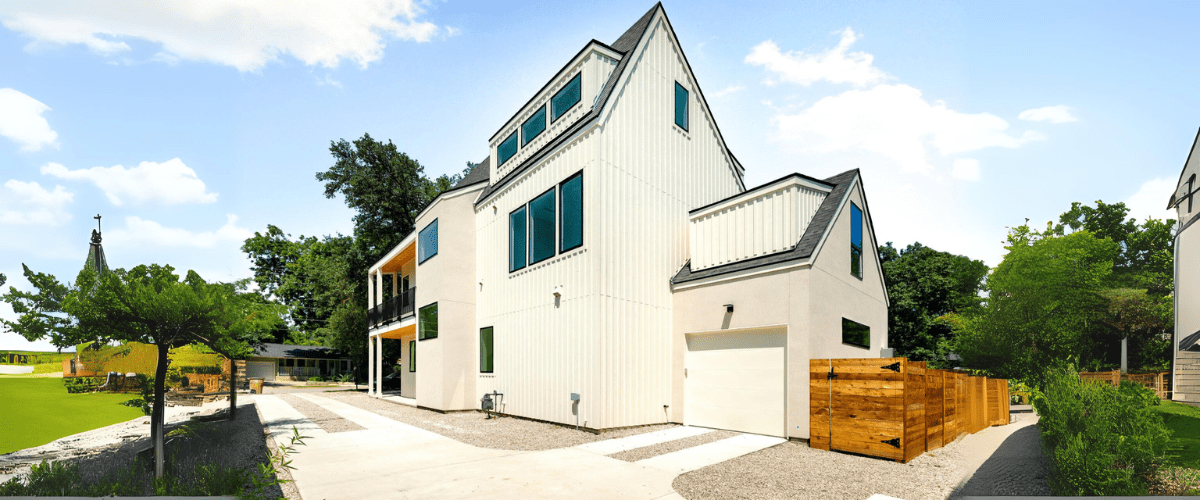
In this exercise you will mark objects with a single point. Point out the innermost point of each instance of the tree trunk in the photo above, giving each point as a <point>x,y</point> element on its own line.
<point>232,389</point>
<point>158,417</point>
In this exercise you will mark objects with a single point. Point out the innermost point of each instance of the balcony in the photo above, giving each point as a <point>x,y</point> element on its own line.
<point>393,309</point>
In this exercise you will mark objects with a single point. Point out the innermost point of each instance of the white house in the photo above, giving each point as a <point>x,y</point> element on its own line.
<point>1185,374</point>
<point>605,264</point>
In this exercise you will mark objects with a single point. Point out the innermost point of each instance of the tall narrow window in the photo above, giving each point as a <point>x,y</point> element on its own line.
<point>516,240</point>
<point>427,242</point>
<point>681,106</point>
<point>1191,194</point>
<point>485,350</point>
<point>534,126</point>
<point>412,356</point>
<point>427,322</point>
<point>856,334</point>
<point>572,213</point>
<point>506,149</point>
<point>855,240</point>
<point>541,234</point>
<point>566,97</point>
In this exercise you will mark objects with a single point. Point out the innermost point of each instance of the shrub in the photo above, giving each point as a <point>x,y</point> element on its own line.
<point>1101,440</point>
<point>316,378</point>
<point>76,385</point>
<point>346,378</point>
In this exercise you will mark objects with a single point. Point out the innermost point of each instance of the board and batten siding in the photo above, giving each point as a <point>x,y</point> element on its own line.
<point>752,225</point>
<point>650,174</point>
<point>597,65</point>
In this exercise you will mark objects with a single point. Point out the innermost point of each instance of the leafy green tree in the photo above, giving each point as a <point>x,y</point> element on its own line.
<point>924,286</point>
<point>1145,259</point>
<point>40,314</point>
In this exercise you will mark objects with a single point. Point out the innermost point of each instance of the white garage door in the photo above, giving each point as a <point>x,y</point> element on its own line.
<point>260,369</point>
<point>735,381</point>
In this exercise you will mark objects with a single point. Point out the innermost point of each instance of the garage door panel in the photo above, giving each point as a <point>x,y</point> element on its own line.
<point>739,419</point>
<point>719,378</point>
<point>734,359</point>
<point>736,380</point>
<point>260,369</point>
<point>732,397</point>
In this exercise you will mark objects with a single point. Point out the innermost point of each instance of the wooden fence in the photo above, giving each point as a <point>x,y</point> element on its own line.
<point>896,409</point>
<point>1159,382</point>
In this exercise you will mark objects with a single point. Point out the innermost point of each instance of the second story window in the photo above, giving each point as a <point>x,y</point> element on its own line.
<point>534,126</point>
<point>855,240</point>
<point>1191,194</point>
<point>427,322</point>
<point>541,234</point>
<point>681,106</point>
<point>427,242</point>
<point>566,97</point>
<point>571,232</point>
<point>516,240</point>
<point>506,149</point>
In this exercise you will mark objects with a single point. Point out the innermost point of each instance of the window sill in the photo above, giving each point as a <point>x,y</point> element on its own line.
<point>547,262</point>
<point>856,345</point>
<point>681,130</point>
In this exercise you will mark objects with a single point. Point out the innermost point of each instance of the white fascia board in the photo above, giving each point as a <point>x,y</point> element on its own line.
<point>742,197</point>
<point>870,230</point>
<point>480,203</point>
<point>408,240</point>
<point>747,273</point>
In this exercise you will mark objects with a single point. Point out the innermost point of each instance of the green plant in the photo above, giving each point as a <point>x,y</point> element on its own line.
<point>346,378</point>
<point>77,385</point>
<point>147,384</point>
<point>316,378</point>
<point>202,370</point>
<point>277,461</point>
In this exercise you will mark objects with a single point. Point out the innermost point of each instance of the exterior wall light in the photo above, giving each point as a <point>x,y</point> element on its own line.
<point>728,308</point>
<point>557,291</point>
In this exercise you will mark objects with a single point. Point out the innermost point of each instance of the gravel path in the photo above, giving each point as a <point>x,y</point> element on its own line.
<point>328,420</point>
<point>1016,467</point>
<point>504,433</point>
<point>655,450</point>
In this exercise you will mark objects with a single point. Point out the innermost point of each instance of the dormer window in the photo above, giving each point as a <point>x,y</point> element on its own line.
<point>566,97</point>
<point>506,149</point>
<point>534,126</point>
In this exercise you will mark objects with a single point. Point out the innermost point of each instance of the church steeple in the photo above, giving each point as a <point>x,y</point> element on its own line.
<point>95,258</point>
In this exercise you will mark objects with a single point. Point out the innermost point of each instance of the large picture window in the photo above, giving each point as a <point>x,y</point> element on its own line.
<point>566,97</point>
<point>412,356</point>
<point>427,242</point>
<point>534,126</point>
<point>516,240</point>
<point>856,334</point>
<point>506,149</point>
<point>485,350</point>
<point>427,322</point>
<point>681,106</point>
<point>855,240</point>
<point>541,234</point>
<point>572,213</point>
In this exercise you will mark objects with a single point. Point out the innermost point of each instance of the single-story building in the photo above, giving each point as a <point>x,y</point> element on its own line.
<point>296,362</point>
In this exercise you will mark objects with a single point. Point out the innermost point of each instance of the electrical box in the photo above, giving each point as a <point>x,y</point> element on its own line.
<point>486,403</point>
<point>574,396</point>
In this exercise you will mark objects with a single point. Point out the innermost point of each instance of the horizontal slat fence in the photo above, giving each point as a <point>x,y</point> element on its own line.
<point>1159,382</point>
<point>898,409</point>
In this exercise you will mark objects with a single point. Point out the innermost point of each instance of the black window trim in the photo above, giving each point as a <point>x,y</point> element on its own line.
<point>511,269</point>
<point>529,226</point>
<point>578,76</point>
<point>686,127</point>
<point>546,126</point>
<point>514,155</point>
<point>851,344</point>
<point>561,199</point>
<point>435,252</point>
<point>419,309</point>
<point>493,329</point>
<point>412,350</point>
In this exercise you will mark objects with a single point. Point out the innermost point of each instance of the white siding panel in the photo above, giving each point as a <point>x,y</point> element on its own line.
<point>755,224</point>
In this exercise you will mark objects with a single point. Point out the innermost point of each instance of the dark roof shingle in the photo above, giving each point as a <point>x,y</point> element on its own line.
<point>481,173</point>
<point>297,351</point>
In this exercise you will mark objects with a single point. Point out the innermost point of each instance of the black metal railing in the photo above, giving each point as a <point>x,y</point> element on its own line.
<point>393,308</point>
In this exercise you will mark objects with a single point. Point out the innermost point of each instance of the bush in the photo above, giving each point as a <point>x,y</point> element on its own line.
<point>202,370</point>
<point>346,378</point>
<point>1101,440</point>
<point>77,385</point>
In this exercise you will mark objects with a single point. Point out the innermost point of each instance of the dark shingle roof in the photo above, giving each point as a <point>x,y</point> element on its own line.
<point>297,351</point>
<point>481,173</point>
<point>1190,343</point>
<point>821,222</point>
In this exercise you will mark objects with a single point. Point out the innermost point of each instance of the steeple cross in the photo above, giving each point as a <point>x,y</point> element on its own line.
<point>97,217</point>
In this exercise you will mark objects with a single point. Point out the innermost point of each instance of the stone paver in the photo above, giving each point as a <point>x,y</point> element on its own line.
<point>610,446</point>
<point>690,459</point>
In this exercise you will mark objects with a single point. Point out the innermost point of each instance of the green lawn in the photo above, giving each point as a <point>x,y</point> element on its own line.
<point>1184,422</point>
<point>37,411</point>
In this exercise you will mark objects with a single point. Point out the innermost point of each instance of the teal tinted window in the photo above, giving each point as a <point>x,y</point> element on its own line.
<point>485,350</point>
<point>516,240</point>
<point>572,213</point>
<point>541,218</point>
<point>507,149</point>
<point>534,126</point>
<point>566,97</point>
<point>681,106</point>
<point>427,242</point>
<point>855,240</point>
<point>856,334</point>
<point>412,355</point>
<point>427,322</point>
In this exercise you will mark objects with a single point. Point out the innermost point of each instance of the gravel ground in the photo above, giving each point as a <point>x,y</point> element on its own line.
<point>504,433</point>
<point>328,420</point>
<point>655,450</point>
<point>1016,467</point>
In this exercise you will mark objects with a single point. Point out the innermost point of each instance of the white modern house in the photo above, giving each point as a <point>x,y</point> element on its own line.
<point>605,264</point>
<point>1185,376</point>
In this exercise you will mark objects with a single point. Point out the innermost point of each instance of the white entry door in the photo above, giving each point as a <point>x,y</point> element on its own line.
<point>735,380</point>
<point>260,369</point>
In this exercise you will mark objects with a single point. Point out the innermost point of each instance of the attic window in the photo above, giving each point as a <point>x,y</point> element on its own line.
<point>855,241</point>
<point>534,126</point>
<point>1191,194</point>
<point>566,97</point>
<point>681,106</point>
<point>506,149</point>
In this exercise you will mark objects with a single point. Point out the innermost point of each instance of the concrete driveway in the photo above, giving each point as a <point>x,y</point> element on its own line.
<point>390,459</point>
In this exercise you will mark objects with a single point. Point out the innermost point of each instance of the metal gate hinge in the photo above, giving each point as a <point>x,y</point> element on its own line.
<point>831,375</point>
<point>893,367</point>
<point>894,442</point>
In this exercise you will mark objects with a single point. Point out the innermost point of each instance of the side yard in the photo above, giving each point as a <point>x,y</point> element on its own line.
<point>39,410</point>
<point>1184,422</point>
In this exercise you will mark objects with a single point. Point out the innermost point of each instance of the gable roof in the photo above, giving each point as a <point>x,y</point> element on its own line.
<point>297,351</point>
<point>821,223</point>
<point>481,173</point>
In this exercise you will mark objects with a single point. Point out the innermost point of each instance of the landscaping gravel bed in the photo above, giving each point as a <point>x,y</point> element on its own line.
<point>328,420</point>
<point>655,450</point>
<point>505,433</point>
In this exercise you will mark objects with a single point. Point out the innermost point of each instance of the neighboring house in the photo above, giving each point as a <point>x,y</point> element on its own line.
<point>1185,374</point>
<point>605,264</point>
<point>295,362</point>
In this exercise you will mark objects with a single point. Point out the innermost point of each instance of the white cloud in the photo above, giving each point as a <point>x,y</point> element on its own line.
<point>21,120</point>
<point>244,35</point>
<point>169,183</point>
<point>1049,114</point>
<point>142,233</point>
<point>732,89</point>
<point>1151,200</point>
<point>835,65</point>
<point>965,169</point>
<point>30,203</point>
<point>894,121</point>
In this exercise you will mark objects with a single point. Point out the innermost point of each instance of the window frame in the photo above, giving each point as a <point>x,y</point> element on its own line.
<point>1191,184</point>
<point>545,125</point>
<point>421,332</point>
<point>524,239</point>
<point>412,356</point>
<point>516,145</point>
<point>687,105</point>
<point>853,247</point>
<point>420,246</point>
<point>853,344</point>
<point>491,349</point>
<point>554,226</point>
<point>578,77</point>
<point>562,248</point>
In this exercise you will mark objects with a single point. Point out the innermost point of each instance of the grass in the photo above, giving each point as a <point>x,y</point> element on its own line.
<point>37,411</point>
<point>1184,422</point>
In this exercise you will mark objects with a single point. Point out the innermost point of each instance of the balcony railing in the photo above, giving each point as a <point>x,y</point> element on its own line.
<point>393,308</point>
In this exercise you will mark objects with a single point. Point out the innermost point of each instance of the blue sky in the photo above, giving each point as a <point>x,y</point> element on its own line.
<point>189,127</point>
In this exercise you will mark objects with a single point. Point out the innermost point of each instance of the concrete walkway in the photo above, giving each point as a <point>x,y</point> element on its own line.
<point>690,459</point>
<point>610,446</point>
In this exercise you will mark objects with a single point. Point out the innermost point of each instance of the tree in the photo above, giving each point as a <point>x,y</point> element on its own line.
<point>925,285</point>
<point>1135,315</point>
<point>1146,250</point>
<point>40,313</point>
